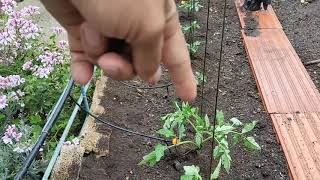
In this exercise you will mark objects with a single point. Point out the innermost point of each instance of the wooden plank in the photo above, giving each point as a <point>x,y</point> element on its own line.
<point>265,19</point>
<point>299,135</point>
<point>287,91</point>
<point>284,83</point>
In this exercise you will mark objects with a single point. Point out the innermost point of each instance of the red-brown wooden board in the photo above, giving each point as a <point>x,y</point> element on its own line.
<point>299,135</point>
<point>288,93</point>
<point>283,81</point>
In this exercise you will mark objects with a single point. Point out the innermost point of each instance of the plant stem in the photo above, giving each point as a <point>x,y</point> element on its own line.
<point>193,126</point>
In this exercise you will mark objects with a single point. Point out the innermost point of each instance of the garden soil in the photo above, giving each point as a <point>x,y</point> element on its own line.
<point>238,97</point>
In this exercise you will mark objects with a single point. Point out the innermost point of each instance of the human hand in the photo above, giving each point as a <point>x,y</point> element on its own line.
<point>150,28</point>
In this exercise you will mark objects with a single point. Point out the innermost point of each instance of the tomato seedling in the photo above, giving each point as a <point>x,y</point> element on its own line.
<point>191,5</point>
<point>185,116</point>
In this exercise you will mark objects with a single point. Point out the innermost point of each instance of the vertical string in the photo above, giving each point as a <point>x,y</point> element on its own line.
<point>204,72</point>
<point>218,82</point>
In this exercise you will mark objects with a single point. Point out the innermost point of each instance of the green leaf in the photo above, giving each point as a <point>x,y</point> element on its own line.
<point>236,121</point>
<point>207,121</point>
<point>198,139</point>
<point>2,117</point>
<point>216,172</point>
<point>160,149</point>
<point>251,144</point>
<point>16,121</point>
<point>152,158</point>
<point>220,117</point>
<point>36,131</point>
<point>182,132</point>
<point>166,133</point>
<point>191,173</point>
<point>249,127</point>
<point>236,138</point>
<point>226,161</point>
<point>186,177</point>
<point>218,151</point>
<point>225,129</point>
<point>35,120</point>
<point>191,170</point>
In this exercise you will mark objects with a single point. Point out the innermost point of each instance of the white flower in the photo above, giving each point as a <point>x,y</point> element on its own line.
<point>76,141</point>
<point>6,140</point>
<point>19,150</point>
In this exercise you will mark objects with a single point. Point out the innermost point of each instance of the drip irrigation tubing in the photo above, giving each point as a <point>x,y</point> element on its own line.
<point>113,126</point>
<point>154,87</point>
<point>218,77</point>
<point>45,131</point>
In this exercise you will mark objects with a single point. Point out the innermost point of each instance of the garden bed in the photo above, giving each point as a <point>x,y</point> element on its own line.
<point>142,109</point>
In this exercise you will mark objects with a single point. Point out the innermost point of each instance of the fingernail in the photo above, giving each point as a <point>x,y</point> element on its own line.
<point>155,78</point>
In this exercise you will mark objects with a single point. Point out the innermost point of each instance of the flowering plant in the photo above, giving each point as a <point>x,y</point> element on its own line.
<point>33,72</point>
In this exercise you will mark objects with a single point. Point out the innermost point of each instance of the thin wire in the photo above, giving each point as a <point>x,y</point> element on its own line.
<point>118,127</point>
<point>218,81</point>
<point>205,58</point>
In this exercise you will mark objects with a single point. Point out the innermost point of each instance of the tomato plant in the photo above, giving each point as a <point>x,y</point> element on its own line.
<point>226,134</point>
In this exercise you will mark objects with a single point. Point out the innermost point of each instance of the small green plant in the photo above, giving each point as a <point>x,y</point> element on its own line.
<point>185,116</point>
<point>200,78</point>
<point>191,27</point>
<point>191,173</point>
<point>193,47</point>
<point>191,5</point>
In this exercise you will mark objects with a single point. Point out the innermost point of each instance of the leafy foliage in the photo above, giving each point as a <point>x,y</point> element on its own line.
<point>191,5</point>
<point>200,78</point>
<point>191,27</point>
<point>191,173</point>
<point>39,62</point>
<point>185,116</point>
<point>193,47</point>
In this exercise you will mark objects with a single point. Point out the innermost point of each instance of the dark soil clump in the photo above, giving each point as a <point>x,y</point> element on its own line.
<point>251,28</point>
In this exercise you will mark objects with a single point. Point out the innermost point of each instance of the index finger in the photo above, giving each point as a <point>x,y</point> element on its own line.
<point>176,58</point>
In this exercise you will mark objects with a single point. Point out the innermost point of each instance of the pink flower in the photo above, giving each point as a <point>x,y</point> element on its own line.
<point>7,37</point>
<point>8,6</point>
<point>3,102</point>
<point>11,133</point>
<point>43,72</point>
<point>30,10</point>
<point>11,81</point>
<point>6,140</point>
<point>67,143</point>
<point>29,30</point>
<point>27,65</point>
<point>14,22</point>
<point>63,44</point>
<point>57,30</point>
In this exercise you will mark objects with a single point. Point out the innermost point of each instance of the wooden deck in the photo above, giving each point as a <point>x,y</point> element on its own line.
<point>288,93</point>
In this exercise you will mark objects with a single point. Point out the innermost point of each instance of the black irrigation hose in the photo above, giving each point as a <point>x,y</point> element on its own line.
<point>50,122</point>
<point>154,87</point>
<point>113,126</point>
<point>218,78</point>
